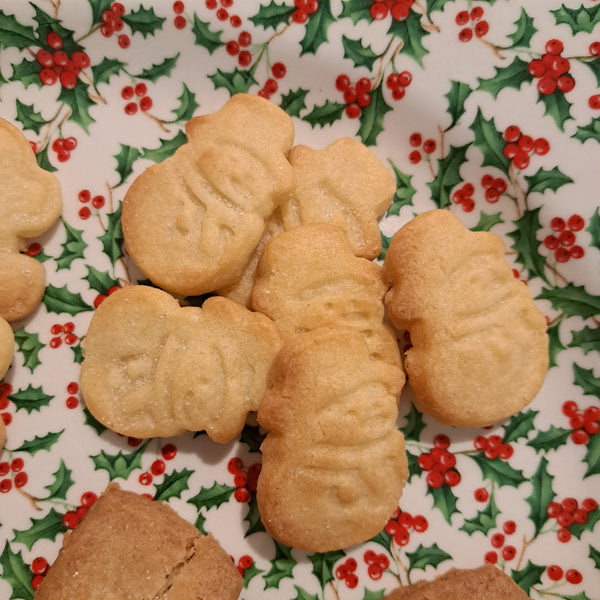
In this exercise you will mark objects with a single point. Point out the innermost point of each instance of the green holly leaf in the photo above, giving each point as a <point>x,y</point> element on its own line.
<point>529,576</point>
<point>213,496</point>
<point>425,556</point>
<point>519,426</point>
<point>413,464</point>
<point>78,100</point>
<point>30,399</point>
<point>586,339</point>
<point>159,70</point>
<point>326,114</point>
<point>592,456</point>
<point>270,16</point>
<point>526,243</point>
<point>550,439</point>
<point>317,27</point>
<point>383,539</point>
<point>77,353</point>
<point>100,281</point>
<point>557,107</point>
<point>594,66</point>
<point>187,105</point>
<point>90,420</point>
<point>211,40</point>
<point>15,35</point>
<point>199,523</point>
<point>591,131</point>
<point>98,7</point>
<point>46,23</point>
<point>235,82</point>
<point>322,565</point>
<point>511,76</point>
<point>282,566</point>
<point>252,437</point>
<point>107,68</point>
<point>166,149</point>
<point>144,21</point>
<point>29,117</point>
<point>594,229</point>
<point>173,485</point>
<point>29,346</point>
<point>525,30</point>
<point>414,424</point>
<point>484,521</point>
<point>373,594</point>
<point>250,573</point>
<point>43,160</point>
<point>302,594</point>
<point>46,528</point>
<point>541,495</point>
<point>457,96</point>
<point>252,517</point>
<point>411,33</point>
<point>125,159</point>
<point>112,238</point>
<point>572,300</point>
<point>61,300</point>
<point>491,143</point>
<point>579,19</point>
<point>361,56</point>
<point>385,244</point>
<point>57,490</point>
<point>294,102</point>
<point>16,573</point>
<point>356,10</point>
<point>486,222</point>
<point>497,470</point>
<point>73,247</point>
<point>448,175</point>
<point>545,179</point>
<point>555,345</point>
<point>371,118</point>
<point>119,465</point>
<point>42,442</point>
<point>27,72</point>
<point>404,194</point>
<point>578,528</point>
<point>594,554</point>
<point>444,500</point>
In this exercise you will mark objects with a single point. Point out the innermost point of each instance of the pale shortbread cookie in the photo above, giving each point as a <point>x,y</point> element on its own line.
<point>30,203</point>
<point>128,546</point>
<point>7,348</point>
<point>308,277</point>
<point>152,368</point>
<point>479,344</point>
<point>192,222</point>
<point>334,463</point>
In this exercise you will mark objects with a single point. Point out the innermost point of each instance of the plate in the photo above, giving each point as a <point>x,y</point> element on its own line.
<point>488,109</point>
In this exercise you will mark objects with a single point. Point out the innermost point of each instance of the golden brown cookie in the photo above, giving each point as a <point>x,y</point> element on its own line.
<point>152,368</point>
<point>479,344</point>
<point>30,203</point>
<point>192,222</point>
<point>483,583</point>
<point>308,277</point>
<point>334,463</point>
<point>128,546</point>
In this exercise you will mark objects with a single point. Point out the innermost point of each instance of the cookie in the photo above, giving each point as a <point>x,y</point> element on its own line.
<point>153,368</point>
<point>309,277</point>
<point>30,203</point>
<point>483,583</point>
<point>192,222</point>
<point>128,546</point>
<point>334,463</point>
<point>7,348</point>
<point>479,344</point>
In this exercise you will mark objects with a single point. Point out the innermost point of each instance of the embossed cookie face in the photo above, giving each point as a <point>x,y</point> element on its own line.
<point>30,203</point>
<point>334,463</point>
<point>480,349</point>
<point>152,368</point>
<point>192,222</point>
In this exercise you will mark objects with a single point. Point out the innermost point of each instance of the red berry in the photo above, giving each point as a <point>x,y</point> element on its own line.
<point>158,467</point>
<point>54,40</point>
<point>537,68</point>
<point>48,76</point>
<point>506,451</point>
<point>342,83</point>
<point>401,536</point>
<point>512,134</point>
<point>481,495</point>
<point>566,238</point>
<point>576,223</point>
<point>594,48</point>
<point>246,561</point>
<point>546,85</point>
<point>235,465</point>
<point>278,70</point>
<point>300,16</point>
<point>244,39</point>
<point>80,60</point>
<point>127,92</point>
<point>378,11</point>
<point>541,146</point>
<point>39,565</point>
<point>497,540</point>
<point>124,41</point>
<point>55,342</point>
<point>400,10</point>
<point>363,85</point>
<point>525,143</point>
<point>441,441</point>
<point>570,408</point>
<point>555,573</point>
<point>131,108</point>
<point>44,58</point>
<point>554,46</point>
<point>145,103</point>
<point>580,516</point>
<point>594,102</point>
<point>374,571</point>
<point>242,494</point>
<point>17,465</point>
<point>589,504</point>
<point>576,421</point>
<point>271,86</point>
<point>5,486</point>
<point>100,298</point>
<point>500,185</point>
<point>415,139</point>
<point>414,157</point>
<point>429,146</point>
<point>353,110</point>
<point>68,79</point>
<point>169,451</point>
<point>71,519</point>
<point>510,150</point>
<point>509,527</point>
<point>70,143</point>
<point>491,557</point>
<point>491,195</point>
<point>480,442</point>
<point>465,35</point>
<point>426,462</point>
<point>234,20</point>
<point>72,402</point>
<point>435,479</point>
<point>240,479</point>
<point>580,437</point>
<point>351,580</point>
<point>563,535</point>
<point>4,468</point>
<point>573,576</point>
<point>145,478</point>
<point>106,30</point>
<point>565,83</point>
<point>363,100</point>
<point>118,9</point>
<point>21,479</point>
<point>404,79</point>
<point>452,478</point>
<point>569,504</point>
<point>521,160</point>
<point>509,552</point>
<point>462,17</point>
<point>72,387</point>
<point>481,28</point>
<point>476,13</point>
<point>88,498</point>
<point>180,22</point>
<point>245,58</point>
<point>178,7</point>
<point>211,4</point>
<point>232,47</point>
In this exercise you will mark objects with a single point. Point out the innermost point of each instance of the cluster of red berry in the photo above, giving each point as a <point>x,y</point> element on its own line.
<point>476,24</point>
<point>356,97</point>
<point>159,466</point>
<point>139,91</point>
<point>85,197</point>
<point>463,196</point>
<point>112,22</point>
<point>234,48</point>
<point>494,187</point>
<point>552,70</point>
<point>416,140</point>
<point>100,298</point>
<point>567,512</point>
<point>243,564</point>
<point>583,423</point>
<point>507,551</point>
<point>179,20</point>
<point>520,147</point>
<point>62,333</point>
<point>398,82</point>
<point>563,245</point>
<point>402,522</point>
<point>278,70</point>
<point>555,573</point>
<point>245,480</point>
<point>63,147</point>
<point>72,389</point>
<point>222,13</point>
<point>6,389</point>
<point>57,65</point>
<point>304,8</point>
<point>72,518</point>
<point>346,572</point>
<point>399,9</point>
<point>439,464</point>
<point>377,564</point>
<point>39,567</point>
<point>15,468</point>
<point>493,446</point>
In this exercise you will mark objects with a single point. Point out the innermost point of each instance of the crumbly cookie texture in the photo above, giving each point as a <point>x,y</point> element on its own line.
<point>479,343</point>
<point>192,222</point>
<point>154,368</point>
<point>30,203</point>
<point>309,277</point>
<point>334,463</point>
<point>7,348</point>
<point>128,546</point>
<point>483,583</point>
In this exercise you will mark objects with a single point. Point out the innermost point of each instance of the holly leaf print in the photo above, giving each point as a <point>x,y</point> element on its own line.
<point>27,72</point>
<point>159,70</point>
<point>211,40</point>
<point>252,517</point>
<point>411,33</point>
<point>578,528</point>
<point>586,339</point>
<point>458,94</point>
<point>511,76</point>
<point>414,424</point>
<point>373,594</point>
<point>62,300</point>
<point>98,7</point>
<point>119,465</point>
<point>166,149</point>
<point>316,28</point>
<point>125,159</point>
<point>16,573</point>
<point>46,528</point>
<point>42,442</point>
<point>270,16</point>
<point>252,437</point>
<point>112,238</point>
<point>594,554</point>
<point>73,247</point>
<point>107,68</point>
<point>61,484</point>
<point>526,243</point>
<point>529,576</point>
<point>499,471</point>
<point>557,107</point>
<point>448,175</point>
<point>213,496</point>
<point>173,485</point>
<point>100,281</point>
<point>519,426</point>
<point>47,23</point>
<point>484,520</point>
<point>356,10</point>
<point>541,495</point>
<point>30,399</point>
<point>385,244</point>
<point>326,114</point>
<point>78,100</point>
<point>29,117</point>
<point>282,566</point>
<point>323,564</point>
<point>302,594</point>
<point>444,500</point>
<point>14,34</point>
<point>551,439</point>
<point>424,556</point>
<point>490,142</point>
<point>594,229</point>
<point>29,346</point>
<point>371,118</point>
<point>144,21</point>
<point>404,191</point>
<point>361,56</point>
<point>294,102</point>
<point>581,19</point>
<point>591,131</point>
<point>544,179</point>
<point>555,345</point>
<point>43,160</point>
<point>90,420</point>
<point>187,105</point>
<point>572,300</point>
<point>486,222</point>
<point>525,30</point>
<point>592,456</point>
<point>235,82</point>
